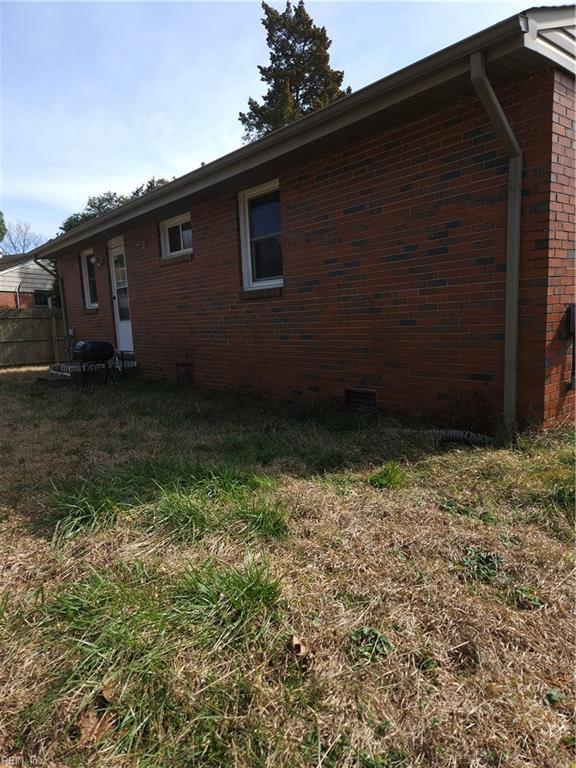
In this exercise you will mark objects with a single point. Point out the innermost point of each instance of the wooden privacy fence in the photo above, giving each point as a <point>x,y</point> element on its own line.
<point>31,337</point>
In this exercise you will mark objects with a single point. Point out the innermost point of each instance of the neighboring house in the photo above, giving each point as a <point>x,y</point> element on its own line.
<point>23,283</point>
<point>411,244</point>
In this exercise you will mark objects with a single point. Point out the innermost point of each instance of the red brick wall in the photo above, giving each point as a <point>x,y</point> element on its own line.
<point>394,262</point>
<point>88,323</point>
<point>533,129</point>
<point>558,397</point>
<point>9,299</point>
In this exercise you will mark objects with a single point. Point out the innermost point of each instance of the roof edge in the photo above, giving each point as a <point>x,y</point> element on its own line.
<point>414,78</point>
<point>12,267</point>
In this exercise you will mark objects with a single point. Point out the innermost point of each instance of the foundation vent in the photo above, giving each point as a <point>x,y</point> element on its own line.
<point>360,399</point>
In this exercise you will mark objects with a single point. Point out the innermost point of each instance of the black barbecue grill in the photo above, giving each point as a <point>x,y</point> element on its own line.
<point>92,355</point>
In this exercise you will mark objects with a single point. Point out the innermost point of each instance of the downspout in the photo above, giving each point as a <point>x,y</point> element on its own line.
<point>18,295</point>
<point>52,272</point>
<point>56,275</point>
<point>502,127</point>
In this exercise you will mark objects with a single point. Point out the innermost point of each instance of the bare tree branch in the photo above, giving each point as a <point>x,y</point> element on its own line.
<point>19,238</point>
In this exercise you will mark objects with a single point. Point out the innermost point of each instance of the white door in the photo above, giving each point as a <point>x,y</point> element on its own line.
<point>120,298</point>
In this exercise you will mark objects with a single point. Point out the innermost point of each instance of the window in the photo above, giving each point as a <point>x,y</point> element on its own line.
<point>261,236</point>
<point>41,298</point>
<point>176,236</point>
<point>88,262</point>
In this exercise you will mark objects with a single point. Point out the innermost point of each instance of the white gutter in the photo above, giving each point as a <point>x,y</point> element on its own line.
<point>504,131</point>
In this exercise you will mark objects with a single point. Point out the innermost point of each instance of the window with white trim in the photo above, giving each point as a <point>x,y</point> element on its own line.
<point>88,264</point>
<point>176,236</point>
<point>261,236</point>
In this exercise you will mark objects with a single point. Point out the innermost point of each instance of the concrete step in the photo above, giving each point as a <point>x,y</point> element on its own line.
<point>54,378</point>
<point>72,372</point>
<point>61,373</point>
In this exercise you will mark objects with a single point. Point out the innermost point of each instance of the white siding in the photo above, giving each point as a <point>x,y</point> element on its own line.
<point>30,275</point>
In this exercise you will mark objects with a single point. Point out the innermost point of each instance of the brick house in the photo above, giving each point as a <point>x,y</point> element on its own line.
<point>412,243</point>
<point>23,283</point>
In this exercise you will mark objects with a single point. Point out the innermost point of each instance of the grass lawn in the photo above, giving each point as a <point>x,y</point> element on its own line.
<point>208,580</point>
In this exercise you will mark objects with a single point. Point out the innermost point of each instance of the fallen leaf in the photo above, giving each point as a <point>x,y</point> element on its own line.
<point>107,695</point>
<point>493,690</point>
<point>93,727</point>
<point>299,647</point>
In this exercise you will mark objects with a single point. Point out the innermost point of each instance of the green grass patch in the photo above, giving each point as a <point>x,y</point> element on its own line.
<point>211,501</point>
<point>554,696</point>
<point>97,501</point>
<point>383,728</point>
<point>392,758</point>
<point>553,506</point>
<point>305,450</point>
<point>530,483</point>
<point>333,751</point>
<point>230,604</point>
<point>368,644</point>
<point>261,517</point>
<point>562,495</point>
<point>524,598</point>
<point>389,476</point>
<point>424,660</point>
<point>488,568</point>
<point>477,565</point>
<point>546,482</point>
<point>342,484</point>
<point>326,750</point>
<point>454,507</point>
<point>180,513</point>
<point>128,629</point>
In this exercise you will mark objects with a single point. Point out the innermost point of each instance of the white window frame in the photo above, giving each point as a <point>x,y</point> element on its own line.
<point>164,240</point>
<point>244,198</point>
<point>84,256</point>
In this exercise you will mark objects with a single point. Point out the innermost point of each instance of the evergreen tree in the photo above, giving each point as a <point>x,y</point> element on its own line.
<point>108,201</point>
<point>149,186</point>
<point>299,77</point>
<point>96,206</point>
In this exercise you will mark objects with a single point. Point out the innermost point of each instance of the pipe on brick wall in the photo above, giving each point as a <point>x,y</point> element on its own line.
<point>503,129</point>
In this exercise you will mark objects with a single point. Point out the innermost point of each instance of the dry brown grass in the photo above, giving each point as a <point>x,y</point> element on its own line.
<point>467,681</point>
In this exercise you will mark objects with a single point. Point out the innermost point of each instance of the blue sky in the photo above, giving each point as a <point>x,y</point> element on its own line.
<point>98,96</point>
